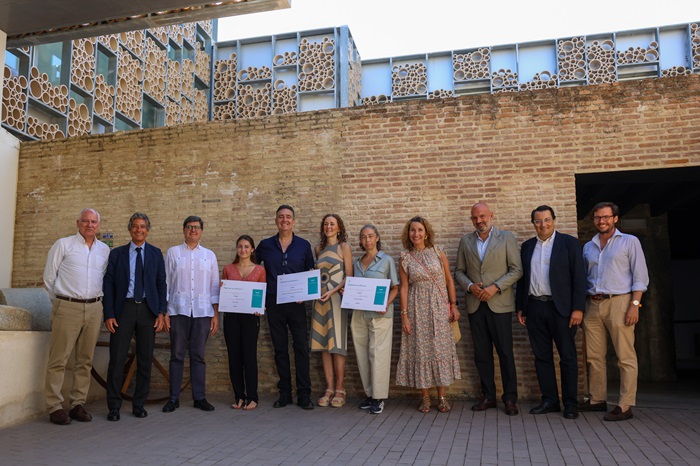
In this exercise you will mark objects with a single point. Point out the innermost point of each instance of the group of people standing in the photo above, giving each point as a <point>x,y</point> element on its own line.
<point>138,293</point>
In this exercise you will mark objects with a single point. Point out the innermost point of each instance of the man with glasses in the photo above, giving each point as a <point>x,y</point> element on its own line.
<point>281,254</point>
<point>193,311</point>
<point>550,299</point>
<point>617,278</point>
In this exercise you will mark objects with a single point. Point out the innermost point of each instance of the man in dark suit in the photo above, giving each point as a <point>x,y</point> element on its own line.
<point>134,303</point>
<point>550,299</point>
<point>488,266</point>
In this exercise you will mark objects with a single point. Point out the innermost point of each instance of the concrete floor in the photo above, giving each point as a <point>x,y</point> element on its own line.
<point>665,430</point>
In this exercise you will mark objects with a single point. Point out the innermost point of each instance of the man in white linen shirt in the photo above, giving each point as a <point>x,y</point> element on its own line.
<point>192,275</point>
<point>73,277</point>
<point>617,278</point>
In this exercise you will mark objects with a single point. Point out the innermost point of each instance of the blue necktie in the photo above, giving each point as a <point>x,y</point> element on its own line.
<point>138,277</point>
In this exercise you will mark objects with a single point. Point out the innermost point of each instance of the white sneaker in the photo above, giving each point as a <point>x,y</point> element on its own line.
<point>367,403</point>
<point>377,407</point>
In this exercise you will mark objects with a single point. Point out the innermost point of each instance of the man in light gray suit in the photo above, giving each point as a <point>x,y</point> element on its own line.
<point>488,266</point>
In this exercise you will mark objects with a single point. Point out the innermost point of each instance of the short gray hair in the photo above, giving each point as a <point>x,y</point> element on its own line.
<point>141,216</point>
<point>89,209</point>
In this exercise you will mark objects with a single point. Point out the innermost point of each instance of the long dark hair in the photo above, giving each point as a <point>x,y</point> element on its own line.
<point>253,257</point>
<point>342,235</point>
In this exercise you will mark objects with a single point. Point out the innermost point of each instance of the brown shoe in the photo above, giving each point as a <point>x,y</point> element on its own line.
<point>59,417</point>
<point>511,408</point>
<point>79,414</point>
<point>618,415</point>
<point>484,404</point>
<point>587,406</point>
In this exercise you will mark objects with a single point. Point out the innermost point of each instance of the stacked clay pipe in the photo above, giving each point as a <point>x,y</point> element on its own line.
<point>503,79</point>
<point>542,80</point>
<point>284,98</point>
<point>79,121</point>
<point>201,109</point>
<point>441,94</point>
<point>253,101</point>
<point>285,59</point>
<point>161,34</point>
<point>354,81</point>
<point>202,65</point>
<point>225,111</point>
<point>472,65</point>
<point>252,73</point>
<point>172,113</point>
<point>174,83</point>
<point>189,32</point>
<point>133,40</point>
<point>129,96</point>
<point>695,43</point>
<point>601,62</point>
<point>639,54</point>
<point>676,71</point>
<point>43,131</point>
<point>83,63</point>
<point>317,65</point>
<point>225,78</point>
<point>572,59</point>
<point>409,79</point>
<point>41,89</point>
<point>376,99</point>
<point>187,78</point>
<point>104,99</point>
<point>186,111</point>
<point>111,41</point>
<point>154,70</point>
<point>175,33</point>
<point>14,99</point>
<point>208,27</point>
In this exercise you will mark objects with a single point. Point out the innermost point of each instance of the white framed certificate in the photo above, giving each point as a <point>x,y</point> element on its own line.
<point>296,287</point>
<point>242,297</point>
<point>366,294</point>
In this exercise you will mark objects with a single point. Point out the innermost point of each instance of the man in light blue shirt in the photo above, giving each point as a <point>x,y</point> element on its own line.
<point>617,278</point>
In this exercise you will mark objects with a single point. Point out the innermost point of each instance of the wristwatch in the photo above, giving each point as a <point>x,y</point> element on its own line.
<point>637,303</point>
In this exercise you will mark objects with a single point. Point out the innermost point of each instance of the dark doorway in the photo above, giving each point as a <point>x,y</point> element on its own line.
<point>662,208</point>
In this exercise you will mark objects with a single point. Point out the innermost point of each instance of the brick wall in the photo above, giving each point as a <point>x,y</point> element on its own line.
<point>379,164</point>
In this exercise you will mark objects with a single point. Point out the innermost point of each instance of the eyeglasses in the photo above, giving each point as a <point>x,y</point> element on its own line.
<point>539,222</point>
<point>284,259</point>
<point>193,227</point>
<point>602,217</point>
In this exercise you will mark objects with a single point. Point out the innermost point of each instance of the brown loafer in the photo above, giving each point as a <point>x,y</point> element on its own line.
<point>618,415</point>
<point>587,406</point>
<point>484,404</point>
<point>511,408</point>
<point>79,414</point>
<point>59,417</point>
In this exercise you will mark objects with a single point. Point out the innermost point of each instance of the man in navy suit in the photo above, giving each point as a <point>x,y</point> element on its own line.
<point>550,299</point>
<point>134,303</point>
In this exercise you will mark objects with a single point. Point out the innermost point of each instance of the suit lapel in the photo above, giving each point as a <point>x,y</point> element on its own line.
<point>494,242</point>
<point>471,243</point>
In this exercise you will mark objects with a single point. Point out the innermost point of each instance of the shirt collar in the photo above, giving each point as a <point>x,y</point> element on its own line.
<point>548,240</point>
<point>184,245</point>
<point>132,246</point>
<point>596,238</point>
<point>487,238</point>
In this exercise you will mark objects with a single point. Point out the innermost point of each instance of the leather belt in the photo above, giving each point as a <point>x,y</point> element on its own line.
<point>542,298</point>
<point>80,301</point>
<point>133,300</point>
<point>602,296</point>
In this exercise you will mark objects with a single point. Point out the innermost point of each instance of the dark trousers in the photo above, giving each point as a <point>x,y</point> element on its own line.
<point>135,319</point>
<point>283,318</point>
<point>241,335</point>
<point>544,325</point>
<point>188,333</point>
<point>490,329</point>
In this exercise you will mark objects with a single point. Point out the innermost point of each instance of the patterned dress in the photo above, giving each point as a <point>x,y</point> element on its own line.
<point>428,356</point>
<point>329,324</point>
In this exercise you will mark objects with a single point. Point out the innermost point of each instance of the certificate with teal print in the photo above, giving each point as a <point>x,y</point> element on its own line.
<point>297,287</point>
<point>366,294</point>
<point>242,297</point>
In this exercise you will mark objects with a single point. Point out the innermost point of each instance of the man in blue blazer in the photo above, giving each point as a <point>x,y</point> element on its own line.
<point>550,299</point>
<point>134,303</point>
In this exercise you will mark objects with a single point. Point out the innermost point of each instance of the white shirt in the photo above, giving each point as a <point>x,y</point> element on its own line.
<point>192,277</point>
<point>539,267</point>
<point>75,270</point>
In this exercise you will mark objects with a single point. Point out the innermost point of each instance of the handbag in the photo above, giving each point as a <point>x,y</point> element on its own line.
<point>456,332</point>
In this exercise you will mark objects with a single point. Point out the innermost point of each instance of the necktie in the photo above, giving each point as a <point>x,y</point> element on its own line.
<point>138,277</point>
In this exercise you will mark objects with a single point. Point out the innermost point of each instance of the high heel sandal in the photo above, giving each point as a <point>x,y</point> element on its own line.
<point>443,405</point>
<point>326,398</point>
<point>424,405</point>
<point>338,400</point>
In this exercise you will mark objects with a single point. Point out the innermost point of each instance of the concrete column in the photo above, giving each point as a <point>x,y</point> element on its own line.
<point>9,160</point>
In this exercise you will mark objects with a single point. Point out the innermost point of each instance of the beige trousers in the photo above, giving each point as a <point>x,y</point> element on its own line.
<point>608,315</point>
<point>73,326</point>
<point>372,340</point>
